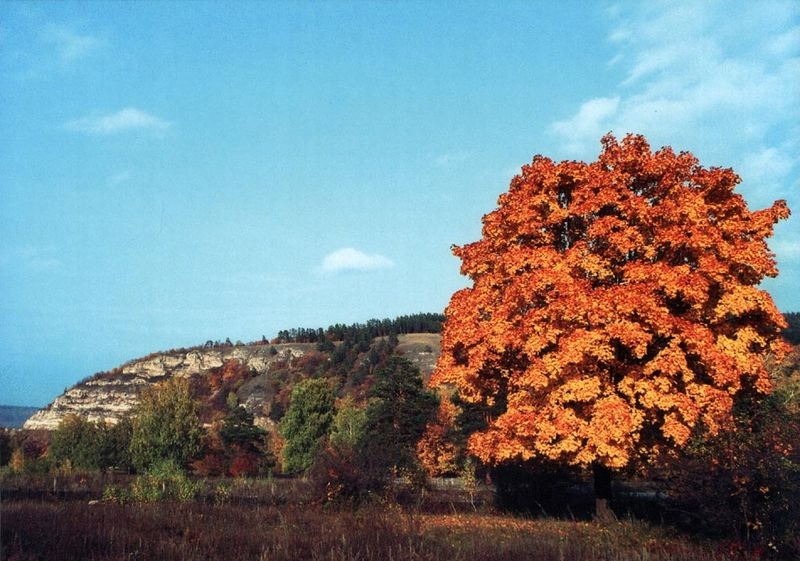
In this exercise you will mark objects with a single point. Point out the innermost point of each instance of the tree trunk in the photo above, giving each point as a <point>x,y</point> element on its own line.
<point>602,494</point>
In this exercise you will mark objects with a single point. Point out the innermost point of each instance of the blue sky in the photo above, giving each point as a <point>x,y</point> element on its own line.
<point>177,172</point>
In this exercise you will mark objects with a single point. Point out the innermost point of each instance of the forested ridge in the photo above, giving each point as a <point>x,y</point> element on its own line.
<point>792,331</point>
<point>414,323</point>
<point>401,325</point>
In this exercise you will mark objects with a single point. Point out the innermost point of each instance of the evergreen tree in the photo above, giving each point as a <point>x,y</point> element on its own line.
<point>398,411</point>
<point>238,430</point>
<point>306,423</point>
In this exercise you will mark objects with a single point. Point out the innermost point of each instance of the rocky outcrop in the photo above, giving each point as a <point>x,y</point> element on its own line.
<point>108,396</point>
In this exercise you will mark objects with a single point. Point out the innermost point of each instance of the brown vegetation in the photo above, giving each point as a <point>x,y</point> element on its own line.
<point>207,531</point>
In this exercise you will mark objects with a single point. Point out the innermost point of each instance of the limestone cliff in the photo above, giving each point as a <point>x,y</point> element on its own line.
<point>261,378</point>
<point>110,395</point>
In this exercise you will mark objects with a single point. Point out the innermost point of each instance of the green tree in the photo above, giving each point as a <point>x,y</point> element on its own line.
<point>76,443</point>
<point>166,425</point>
<point>114,445</point>
<point>398,411</point>
<point>306,423</point>
<point>238,429</point>
<point>349,426</point>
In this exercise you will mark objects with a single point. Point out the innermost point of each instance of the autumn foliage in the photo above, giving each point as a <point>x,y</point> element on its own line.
<point>436,452</point>
<point>614,309</point>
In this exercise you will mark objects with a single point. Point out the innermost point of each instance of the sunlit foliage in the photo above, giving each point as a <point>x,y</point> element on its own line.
<point>166,426</point>
<point>614,308</point>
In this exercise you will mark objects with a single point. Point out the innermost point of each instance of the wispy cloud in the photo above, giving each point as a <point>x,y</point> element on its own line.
<point>589,122</point>
<point>70,45</point>
<point>124,120</point>
<point>119,178</point>
<point>789,250</point>
<point>349,259</point>
<point>35,259</point>
<point>697,79</point>
<point>450,159</point>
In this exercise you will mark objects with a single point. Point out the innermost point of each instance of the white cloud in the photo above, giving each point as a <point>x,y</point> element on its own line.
<point>128,119</point>
<point>70,45</point>
<point>772,161</point>
<point>788,250</point>
<point>451,159</point>
<point>36,259</point>
<point>785,44</point>
<point>349,259</point>
<point>119,178</point>
<point>588,122</point>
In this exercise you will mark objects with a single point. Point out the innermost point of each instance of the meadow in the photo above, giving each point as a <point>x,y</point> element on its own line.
<point>269,520</point>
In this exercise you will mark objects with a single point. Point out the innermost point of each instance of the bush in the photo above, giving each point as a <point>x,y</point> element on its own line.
<point>164,481</point>
<point>745,481</point>
<point>116,494</point>
<point>338,477</point>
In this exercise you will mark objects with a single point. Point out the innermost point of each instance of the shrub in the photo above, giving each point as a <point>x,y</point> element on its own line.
<point>164,481</point>
<point>338,477</point>
<point>76,443</point>
<point>745,482</point>
<point>116,494</point>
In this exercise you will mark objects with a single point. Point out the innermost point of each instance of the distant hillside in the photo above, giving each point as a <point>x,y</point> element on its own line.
<point>260,375</point>
<point>13,417</point>
<point>792,331</point>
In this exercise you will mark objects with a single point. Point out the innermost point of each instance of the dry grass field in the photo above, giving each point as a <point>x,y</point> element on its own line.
<point>195,531</point>
<point>262,520</point>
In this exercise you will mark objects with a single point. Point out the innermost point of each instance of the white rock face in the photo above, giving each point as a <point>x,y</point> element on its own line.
<point>111,395</point>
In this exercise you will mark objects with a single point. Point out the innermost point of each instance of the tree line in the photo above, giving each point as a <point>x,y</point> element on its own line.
<point>350,444</point>
<point>792,331</point>
<point>414,323</point>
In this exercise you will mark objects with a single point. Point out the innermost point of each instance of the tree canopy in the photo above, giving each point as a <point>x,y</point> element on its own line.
<point>166,425</point>
<point>614,308</point>
<point>306,423</point>
<point>398,411</point>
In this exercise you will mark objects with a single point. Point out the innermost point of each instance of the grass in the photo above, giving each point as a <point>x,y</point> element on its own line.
<point>74,529</point>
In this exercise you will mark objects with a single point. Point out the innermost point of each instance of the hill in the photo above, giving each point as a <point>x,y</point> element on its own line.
<point>260,374</point>
<point>13,416</point>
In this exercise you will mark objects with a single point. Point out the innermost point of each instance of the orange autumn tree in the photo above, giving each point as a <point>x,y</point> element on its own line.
<point>614,308</point>
<point>436,451</point>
